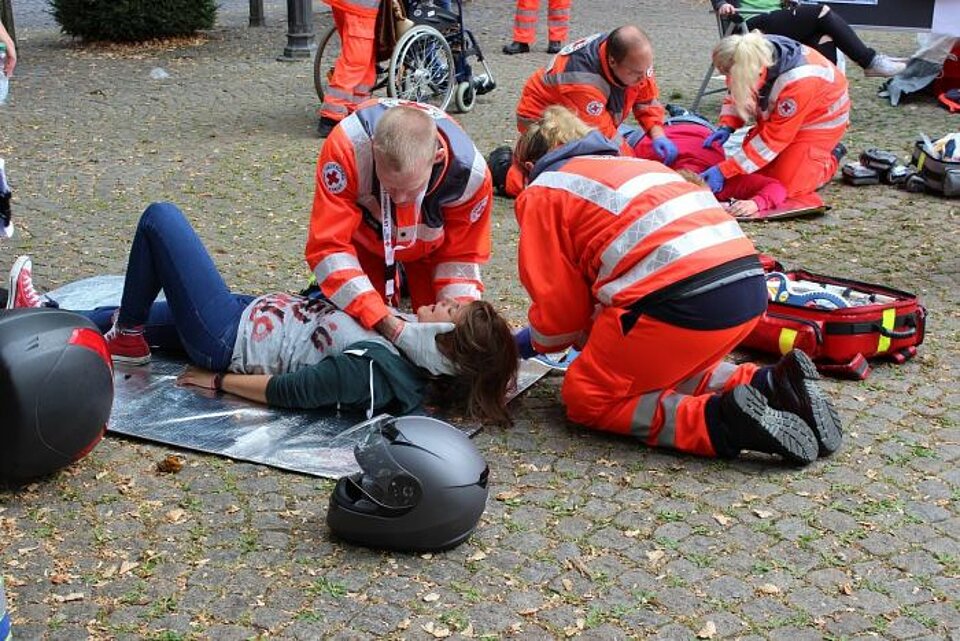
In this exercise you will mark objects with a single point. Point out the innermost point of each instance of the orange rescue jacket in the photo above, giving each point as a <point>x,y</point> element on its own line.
<point>804,97</point>
<point>451,227</point>
<point>580,79</point>
<point>596,227</point>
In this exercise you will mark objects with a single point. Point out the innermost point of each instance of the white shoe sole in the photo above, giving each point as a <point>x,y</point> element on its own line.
<point>18,266</point>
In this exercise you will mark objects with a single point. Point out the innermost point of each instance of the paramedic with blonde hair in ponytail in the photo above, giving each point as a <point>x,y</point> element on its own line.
<point>646,272</point>
<point>799,102</point>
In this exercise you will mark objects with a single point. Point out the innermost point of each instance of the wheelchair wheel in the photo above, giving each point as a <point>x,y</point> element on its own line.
<point>422,68</point>
<point>465,97</point>
<point>328,50</point>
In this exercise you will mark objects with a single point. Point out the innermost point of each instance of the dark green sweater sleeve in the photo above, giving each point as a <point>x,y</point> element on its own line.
<point>345,380</point>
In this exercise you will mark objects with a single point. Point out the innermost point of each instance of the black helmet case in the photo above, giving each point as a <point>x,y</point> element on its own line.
<point>56,390</point>
<point>422,486</point>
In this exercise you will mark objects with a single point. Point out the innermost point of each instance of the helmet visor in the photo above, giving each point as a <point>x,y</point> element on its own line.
<point>383,480</point>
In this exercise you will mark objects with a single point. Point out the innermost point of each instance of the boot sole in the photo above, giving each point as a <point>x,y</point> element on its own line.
<point>826,420</point>
<point>788,434</point>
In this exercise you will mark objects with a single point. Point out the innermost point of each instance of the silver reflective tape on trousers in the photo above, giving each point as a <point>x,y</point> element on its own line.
<point>653,221</point>
<point>690,385</point>
<point>693,241</point>
<point>721,374</point>
<point>668,431</point>
<point>643,415</point>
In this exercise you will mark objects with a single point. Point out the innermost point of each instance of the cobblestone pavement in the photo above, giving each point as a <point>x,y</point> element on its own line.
<point>585,535</point>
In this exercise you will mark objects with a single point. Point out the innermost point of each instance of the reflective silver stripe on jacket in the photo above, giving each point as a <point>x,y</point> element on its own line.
<point>797,73</point>
<point>653,221</point>
<point>693,241</point>
<point>762,149</point>
<point>556,340</point>
<point>362,153</point>
<point>335,263</point>
<point>839,121</point>
<point>365,4</point>
<point>457,271</point>
<point>459,290</point>
<point>607,198</point>
<point>350,290</point>
<point>747,165</point>
<point>478,173</point>
<point>578,78</point>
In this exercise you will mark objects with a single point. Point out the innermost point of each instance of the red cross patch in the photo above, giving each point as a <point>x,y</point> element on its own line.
<point>334,178</point>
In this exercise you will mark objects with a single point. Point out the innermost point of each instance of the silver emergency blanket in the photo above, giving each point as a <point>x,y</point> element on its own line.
<point>147,404</point>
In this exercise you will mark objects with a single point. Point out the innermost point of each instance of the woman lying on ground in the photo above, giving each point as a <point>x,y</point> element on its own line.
<point>283,349</point>
<point>746,196</point>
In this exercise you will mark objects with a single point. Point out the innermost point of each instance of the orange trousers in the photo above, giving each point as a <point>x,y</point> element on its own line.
<point>355,71</point>
<point>806,165</point>
<point>653,382</point>
<point>525,20</point>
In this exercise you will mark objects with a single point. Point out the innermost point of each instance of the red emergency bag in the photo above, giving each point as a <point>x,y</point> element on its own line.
<point>889,324</point>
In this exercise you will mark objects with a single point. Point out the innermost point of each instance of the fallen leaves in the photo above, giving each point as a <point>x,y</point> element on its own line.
<point>722,519</point>
<point>768,588</point>
<point>170,465</point>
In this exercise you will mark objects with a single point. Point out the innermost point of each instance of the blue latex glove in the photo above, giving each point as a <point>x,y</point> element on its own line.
<point>720,136</point>
<point>524,343</point>
<point>665,149</point>
<point>713,178</point>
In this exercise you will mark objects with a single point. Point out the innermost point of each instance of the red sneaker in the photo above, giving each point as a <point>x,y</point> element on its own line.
<point>21,291</point>
<point>127,347</point>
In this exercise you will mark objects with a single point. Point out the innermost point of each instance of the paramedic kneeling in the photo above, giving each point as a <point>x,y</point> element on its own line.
<point>657,283</point>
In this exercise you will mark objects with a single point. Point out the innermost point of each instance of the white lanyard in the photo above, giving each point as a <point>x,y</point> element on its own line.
<point>386,213</point>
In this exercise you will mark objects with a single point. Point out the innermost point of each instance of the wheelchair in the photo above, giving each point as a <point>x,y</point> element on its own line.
<point>430,63</point>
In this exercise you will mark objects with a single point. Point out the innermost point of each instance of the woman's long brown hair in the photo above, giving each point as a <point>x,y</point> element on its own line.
<point>485,356</point>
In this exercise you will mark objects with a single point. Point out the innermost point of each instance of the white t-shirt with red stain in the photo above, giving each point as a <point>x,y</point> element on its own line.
<point>282,333</point>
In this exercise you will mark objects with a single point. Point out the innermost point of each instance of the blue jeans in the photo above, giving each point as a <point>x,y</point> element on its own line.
<point>200,316</point>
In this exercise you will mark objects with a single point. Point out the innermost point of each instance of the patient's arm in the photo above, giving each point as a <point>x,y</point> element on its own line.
<point>249,386</point>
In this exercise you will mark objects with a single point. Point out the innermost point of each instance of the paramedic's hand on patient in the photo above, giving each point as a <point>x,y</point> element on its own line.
<point>713,178</point>
<point>418,342</point>
<point>665,149</point>
<point>525,343</point>
<point>720,136</point>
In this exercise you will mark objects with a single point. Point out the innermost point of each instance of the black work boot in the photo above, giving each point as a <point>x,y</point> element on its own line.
<point>751,424</point>
<point>555,46</point>
<point>325,126</point>
<point>516,47</point>
<point>499,162</point>
<point>791,386</point>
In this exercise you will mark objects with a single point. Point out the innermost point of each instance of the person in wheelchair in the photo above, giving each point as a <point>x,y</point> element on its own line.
<point>602,79</point>
<point>398,185</point>
<point>815,25</point>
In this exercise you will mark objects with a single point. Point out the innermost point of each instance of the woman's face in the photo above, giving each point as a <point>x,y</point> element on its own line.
<point>444,311</point>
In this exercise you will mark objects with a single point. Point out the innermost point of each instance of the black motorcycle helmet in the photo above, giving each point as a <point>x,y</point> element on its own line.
<point>56,390</point>
<point>422,487</point>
